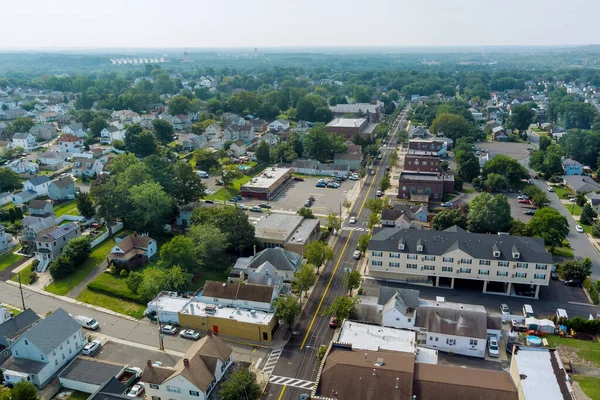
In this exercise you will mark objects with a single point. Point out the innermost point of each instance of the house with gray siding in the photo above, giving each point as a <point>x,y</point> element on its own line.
<point>62,189</point>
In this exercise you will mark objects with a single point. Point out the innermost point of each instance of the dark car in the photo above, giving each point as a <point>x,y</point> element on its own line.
<point>234,199</point>
<point>219,182</point>
<point>299,178</point>
<point>573,282</point>
<point>264,205</point>
<point>554,276</point>
<point>209,202</point>
<point>387,168</point>
<point>529,212</point>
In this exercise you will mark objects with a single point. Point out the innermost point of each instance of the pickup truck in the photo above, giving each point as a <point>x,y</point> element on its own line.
<point>129,375</point>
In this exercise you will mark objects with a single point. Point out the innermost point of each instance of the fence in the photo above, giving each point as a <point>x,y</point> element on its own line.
<point>116,228</point>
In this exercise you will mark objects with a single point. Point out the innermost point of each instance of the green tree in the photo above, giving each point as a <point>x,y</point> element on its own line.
<point>210,243</point>
<point>448,218</point>
<point>507,167</point>
<point>263,153</point>
<point>385,183</point>
<point>393,158</point>
<point>229,174</point>
<point>451,125</point>
<point>305,278</point>
<point>342,308</point>
<point>179,105</point>
<point>521,117</point>
<point>519,228</point>
<point>20,125</point>
<point>374,220</point>
<point>120,163</point>
<point>321,145</point>
<point>240,385</point>
<point>97,125</point>
<point>110,201</point>
<point>352,280</point>
<point>205,159</point>
<point>162,171</point>
<point>580,199</point>
<point>9,180</point>
<point>156,279</point>
<point>139,141</point>
<point>545,141</point>
<point>588,215</point>
<point>334,222</point>
<point>363,242</point>
<point>489,214</point>
<point>321,354</point>
<point>24,390</point>
<point>375,205</point>
<point>232,221</point>
<point>596,229</point>
<point>180,251</point>
<point>85,205</point>
<point>538,196</point>
<point>287,309</point>
<point>496,182</point>
<point>577,269</point>
<point>151,207</point>
<point>73,254</point>
<point>347,204</point>
<point>550,225</point>
<point>306,213</point>
<point>469,168</point>
<point>318,253</point>
<point>134,280</point>
<point>187,185</point>
<point>163,131</point>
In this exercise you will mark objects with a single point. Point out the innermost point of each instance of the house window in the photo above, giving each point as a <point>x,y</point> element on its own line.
<point>466,261</point>
<point>173,389</point>
<point>472,342</point>
<point>397,318</point>
<point>411,266</point>
<point>377,254</point>
<point>70,350</point>
<point>55,362</point>
<point>447,269</point>
<point>419,248</point>
<point>539,276</point>
<point>411,256</point>
<point>484,272</point>
<point>450,342</point>
<point>429,267</point>
<point>153,386</point>
<point>429,258</point>
<point>484,262</point>
<point>409,319</point>
<point>521,265</point>
<point>503,263</point>
<point>521,275</point>
<point>502,273</point>
<point>377,263</point>
<point>194,393</point>
<point>464,271</point>
<point>26,343</point>
<point>448,259</point>
<point>394,255</point>
<point>63,355</point>
<point>541,266</point>
<point>394,264</point>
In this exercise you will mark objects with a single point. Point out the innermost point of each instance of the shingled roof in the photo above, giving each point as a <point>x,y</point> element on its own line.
<point>238,291</point>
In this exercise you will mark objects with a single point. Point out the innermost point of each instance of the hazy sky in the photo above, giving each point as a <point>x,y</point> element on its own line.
<point>279,23</point>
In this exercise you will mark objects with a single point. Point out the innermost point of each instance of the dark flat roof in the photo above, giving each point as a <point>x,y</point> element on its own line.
<point>87,370</point>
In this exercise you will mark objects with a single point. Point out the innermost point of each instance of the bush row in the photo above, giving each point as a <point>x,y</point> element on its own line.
<point>115,292</point>
<point>591,288</point>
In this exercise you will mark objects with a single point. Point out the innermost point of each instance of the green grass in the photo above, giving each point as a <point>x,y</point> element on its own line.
<point>588,350</point>
<point>77,395</point>
<point>226,194</point>
<point>209,275</point>
<point>573,209</point>
<point>69,207</point>
<point>25,276</point>
<point>586,228</point>
<point>560,192</point>
<point>468,191</point>
<point>9,259</point>
<point>561,251</point>
<point>112,303</point>
<point>589,385</point>
<point>99,253</point>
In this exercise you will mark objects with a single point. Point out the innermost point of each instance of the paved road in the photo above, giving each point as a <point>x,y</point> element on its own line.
<point>298,358</point>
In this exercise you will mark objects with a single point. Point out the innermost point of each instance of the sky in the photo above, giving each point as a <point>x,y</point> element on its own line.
<point>88,24</point>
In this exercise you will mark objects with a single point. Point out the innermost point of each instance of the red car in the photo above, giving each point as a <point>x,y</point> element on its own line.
<point>525,201</point>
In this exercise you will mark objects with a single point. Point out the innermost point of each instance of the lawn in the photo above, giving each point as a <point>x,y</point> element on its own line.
<point>588,350</point>
<point>112,303</point>
<point>226,194</point>
<point>99,253</point>
<point>9,259</point>
<point>68,207</point>
<point>561,251</point>
<point>79,395</point>
<point>589,385</point>
<point>560,192</point>
<point>25,276</point>
<point>573,209</point>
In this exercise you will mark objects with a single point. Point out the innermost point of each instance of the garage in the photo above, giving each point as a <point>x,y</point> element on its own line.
<point>87,374</point>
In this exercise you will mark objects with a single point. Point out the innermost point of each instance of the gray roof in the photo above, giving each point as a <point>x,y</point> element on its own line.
<point>453,319</point>
<point>409,297</point>
<point>112,389</point>
<point>283,260</point>
<point>38,204</point>
<point>50,332</point>
<point>63,182</point>
<point>570,161</point>
<point>21,135</point>
<point>17,324</point>
<point>59,232</point>
<point>91,371</point>
<point>23,365</point>
<point>38,180</point>
<point>5,194</point>
<point>593,197</point>
<point>581,183</point>
<point>75,126</point>
<point>477,245</point>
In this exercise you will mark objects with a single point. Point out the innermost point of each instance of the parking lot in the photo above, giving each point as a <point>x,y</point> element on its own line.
<point>511,149</point>
<point>133,356</point>
<point>517,209</point>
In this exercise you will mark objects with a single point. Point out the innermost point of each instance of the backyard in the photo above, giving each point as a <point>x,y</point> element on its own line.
<point>589,385</point>
<point>9,259</point>
<point>68,207</point>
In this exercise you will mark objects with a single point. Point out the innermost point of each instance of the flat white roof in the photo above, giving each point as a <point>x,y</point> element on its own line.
<point>266,178</point>
<point>374,337</point>
<point>198,308</point>
<point>166,302</point>
<point>454,306</point>
<point>346,122</point>
<point>541,381</point>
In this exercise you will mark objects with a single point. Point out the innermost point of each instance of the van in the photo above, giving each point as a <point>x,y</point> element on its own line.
<point>202,174</point>
<point>528,311</point>
<point>561,313</point>
<point>87,322</point>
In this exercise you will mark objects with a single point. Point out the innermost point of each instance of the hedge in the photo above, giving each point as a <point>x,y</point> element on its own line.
<point>579,324</point>
<point>116,292</point>
<point>591,288</point>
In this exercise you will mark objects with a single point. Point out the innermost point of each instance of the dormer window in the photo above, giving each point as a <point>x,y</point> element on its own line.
<point>401,244</point>
<point>516,255</point>
<point>496,254</point>
<point>515,252</point>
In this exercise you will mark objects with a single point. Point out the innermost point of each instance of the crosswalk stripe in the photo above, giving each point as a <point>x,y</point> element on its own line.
<point>283,380</point>
<point>272,361</point>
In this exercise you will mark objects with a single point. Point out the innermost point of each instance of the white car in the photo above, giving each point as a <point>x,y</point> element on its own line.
<point>379,193</point>
<point>572,199</point>
<point>190,334</point>
<point>168,329</point>
<point>550,189</point>
<point>136,391</point>
<point>493,349</point>
<point>579,229</point>
<point>91,348</point>
<point>523,197</point>
<point>356,254</point>
<point>352,220</point>
<point>448,204</point>
<point>354,177</point>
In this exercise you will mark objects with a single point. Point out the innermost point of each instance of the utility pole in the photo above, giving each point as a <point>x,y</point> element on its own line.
<point>161,344</point>
<point>21,289</point>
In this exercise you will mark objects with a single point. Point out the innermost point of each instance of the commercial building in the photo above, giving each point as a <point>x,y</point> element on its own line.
<point>424,186</point>
<point>441,257</point>
<point>438,146</point>
<point>311,167</point>
<point>373,110</point>
<point>422,161</point>
<point>350,127</point>
<point>267,184</point>
<point>291,232</point>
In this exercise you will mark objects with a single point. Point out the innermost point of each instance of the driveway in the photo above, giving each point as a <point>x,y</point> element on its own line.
<point>133,356</point>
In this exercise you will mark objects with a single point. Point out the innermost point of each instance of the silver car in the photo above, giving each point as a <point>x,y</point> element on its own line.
<point>91,348</point>
<point>189,334</point>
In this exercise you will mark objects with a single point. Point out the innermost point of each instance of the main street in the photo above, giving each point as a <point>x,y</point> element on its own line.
<point>297,366</point>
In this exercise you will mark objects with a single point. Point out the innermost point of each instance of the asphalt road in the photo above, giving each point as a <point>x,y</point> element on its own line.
<point>298,358</point>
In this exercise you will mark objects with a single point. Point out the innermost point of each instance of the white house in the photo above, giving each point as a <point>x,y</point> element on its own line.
<point>52,157</point>
<point>279,125</point>
<point>110,134</point>
<point>5,239</point>
<point>24,196</point>
<point>193,377</point>
<point>129,248</point>
<point>398,307</point>
<point>237,149</point>
<point>5,198</point>
<point>286,262</point>
<point>39,184</point>
<point>75,129</point>
<point>86,166</point>
<point>43,131</point>
<point>25,140</point>
<point>41,352</point>
<point>23,166</point>
<point>213,131</point>
<point>270,139</point>
<point>70,144</point>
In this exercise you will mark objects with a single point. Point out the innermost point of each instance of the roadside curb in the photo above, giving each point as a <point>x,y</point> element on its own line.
<point>77,302</point>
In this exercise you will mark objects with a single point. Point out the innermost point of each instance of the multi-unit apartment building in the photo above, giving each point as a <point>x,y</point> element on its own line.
<point>443,257</point>
<point>421,160</point>
<point>440,147</point>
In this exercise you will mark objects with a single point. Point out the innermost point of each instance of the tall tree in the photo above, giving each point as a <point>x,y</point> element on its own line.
<point>588,215</point>
<point>489,214</point>
<point>232,221</point>
<point>9,180</point>
<point>342,308</point>
<point>352,280</point>
<point>180,251</point>
<point>550,225</point>
<point>187,185</point>
<point>120,163</point>
<point>97,125</point>
<point>85,204</point>
<point>205,159</point>
<point>163,130</point>
<point>20,125</point>
<point>140,142</point>
<point>240,385</point>
<point>577,269</point>
<point>209,241</point>
<point>448,218</point>
<point>385,183</point>
<point>318,253</point>
<point>24,390</point>
<point>507,167</point>
<point>305,278</point>
<point>286,308</point>
<point>334,222</point>
<point>363,242</point>
<point>229,174</point>
<point>263,152</point>
<point>451,125</point>
<point>179,105</point>
<point>151,207</point>
<point>521,117</point>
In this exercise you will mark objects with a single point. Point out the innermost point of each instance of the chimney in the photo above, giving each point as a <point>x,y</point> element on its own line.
<point>186,362</point>
<point>149,363</point>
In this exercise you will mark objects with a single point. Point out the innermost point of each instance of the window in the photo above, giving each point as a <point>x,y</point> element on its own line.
<point>484,272</point>
<point>194,393</point>
<point>55,362</point>
<point>404,188</point>
<point>451,342</point>
<point>464,271</point>
<point>503,263</point>
<point>26,343</point>
<point>63,355</point>
<point>377,263</point>
<point>541,266</point>
<point>429,258</point>
<point>437,339</point>
<point>466,261</point>
<point>377,254</point>
<point>173,389</point>
<point>411,256</point>
<point>394,255</point>
<point>448,259</point>
<point>472,342</point>
<point>153,386</point>
<point>539,276</point>
<point>429,267</point>
<point>394,264</point>
<point>411,266</point>
<point>42,357</point>
<point>447,269</point>
<point>409,319</point>
<point>155,397</point>
<point>521,275</point>
<point>419,248</point>
<point>521,265</point>
<point>484,262</point>
<point>70,350</point>
<point>496,254</point>
<point>502,273</point>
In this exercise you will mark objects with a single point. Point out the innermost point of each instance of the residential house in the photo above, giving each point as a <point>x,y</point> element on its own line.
<point>12,113</point>
<point>40,208</point>
<point>70,144</point>
<point>75,129</point>
<point>499,134</point>
<point>593,200</point>
<point>12,327</point>
<point>182,122</point>
<point>398,307</point>
<point>25,140</point>
<point>239,132</point>
<point>233,119</point>
<point>285,262</point>
<point>52,158</point>
<point>132,250</point>
<point>213,131</point>
<point>44,349</point>
<point>418,132</point>
<point>34,227</point>
<point>237,149</point>
<point>441,257</point>
<point>192,142</point>
<point>6,239</point>
<point>185,213</point>
<point>5,198</point>
<point>259,125</point>
<point>62,189</point>
<point>88,375</point>
<point>49,244</point>
<point>266,274</point>
<point>24,196</point>
<point>572,167</point>
<point>269,138</point>
<point>203,366</point>
<point>86,166</point>
<point>39,184</point>
<point>581,184</point>
<point>110,134</point>
<point>44,131</point>
<point>404,216</point>
<point>556,132</point>
<point>244,295</point>
<point>23,166</point>
<point>47,116</point>
<point>279,125</point>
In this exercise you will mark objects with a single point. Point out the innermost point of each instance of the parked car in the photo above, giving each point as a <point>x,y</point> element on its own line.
<point>202,174</point>
<point>504,310</point>
<point>264,205</point>
<point>554,275</point>
<point>333,322</point>
<point>550,189</point>
<point>352,220</point>
<point>387,168</point>
<point>91,348</point>
<point>573,199</point>
<point>356,254</point>
<point>219,182</point>
<point>255,209</point>
<point>372,172</point>
<point>243,206</point>
<point>190,334</point>
<point>579,228</point>
<point>299,178</point>
<point>524,201</point>
<point>168,329</point>
<point>209,202</point>
<point>378,193</point>
<point>87,322</point>
<point>493,350</point>
<point>354,177</point>
<point>136,391</point>
<point>447,204</point>
<point>523,196</point>
<point>529,212</point>
<point>573,282</point>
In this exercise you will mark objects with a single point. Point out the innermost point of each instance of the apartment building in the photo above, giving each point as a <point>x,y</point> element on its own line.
<point>441,258</point>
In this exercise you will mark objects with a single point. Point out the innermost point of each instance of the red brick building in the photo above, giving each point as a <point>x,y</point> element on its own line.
<point>423,161</point>
<point>437,146</point>
<point>424,186</point>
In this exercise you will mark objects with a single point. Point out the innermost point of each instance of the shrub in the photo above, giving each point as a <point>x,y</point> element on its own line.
<point>113,270</point>
<point>33,278</point>
<point>579,324</point>
<point>124,272</point>
<point>34,265</point>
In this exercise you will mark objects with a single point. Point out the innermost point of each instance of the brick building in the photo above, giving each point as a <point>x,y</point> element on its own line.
<point>433,145</point>
<point>424,186</point>
<point>421,160</point>
<point>350,127</point>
